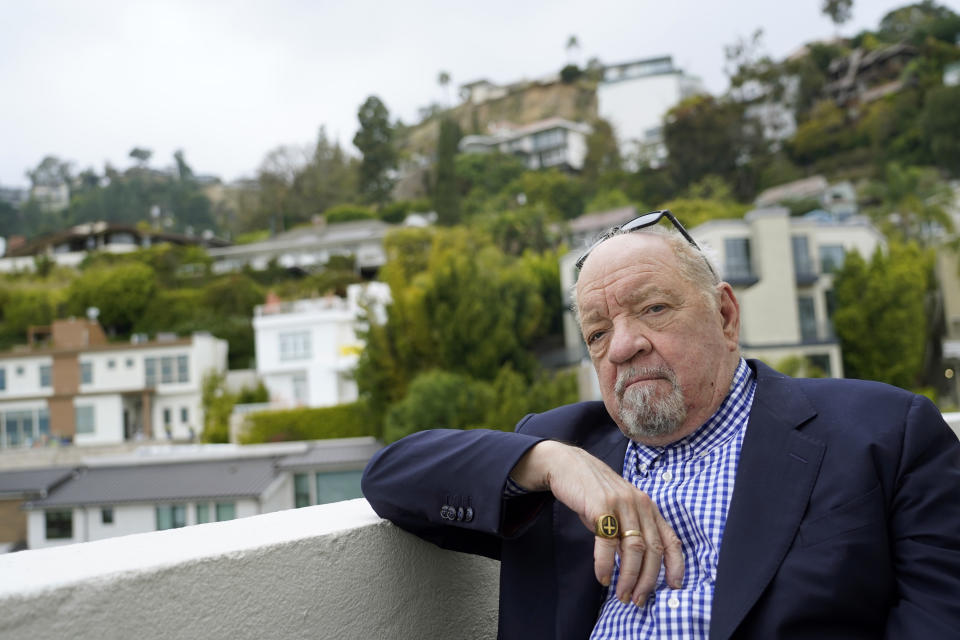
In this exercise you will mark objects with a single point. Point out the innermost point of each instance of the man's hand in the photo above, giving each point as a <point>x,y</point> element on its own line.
<point>591,489</point>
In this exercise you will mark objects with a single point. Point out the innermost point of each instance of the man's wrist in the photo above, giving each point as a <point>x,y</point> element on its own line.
<point>532,471</point>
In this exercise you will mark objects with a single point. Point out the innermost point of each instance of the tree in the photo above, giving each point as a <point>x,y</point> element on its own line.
<point>940,123</point>
<point>446,194</point>
<point>443,79</point>
<point>603,155</point>
<point>121,293</point>
<point>880,311</point>
<point>51,172</point>
<point>839,11</point>
<point>911,202</point>
<point>375,141</point>
<point>141,155</point>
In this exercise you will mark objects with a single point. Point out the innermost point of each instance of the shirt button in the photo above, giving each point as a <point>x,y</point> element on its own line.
<point>643,468</point>
<point>666,476</point>
<point>673,602</point>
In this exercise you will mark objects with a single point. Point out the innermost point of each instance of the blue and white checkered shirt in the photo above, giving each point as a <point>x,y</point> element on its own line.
<point>691,481</point>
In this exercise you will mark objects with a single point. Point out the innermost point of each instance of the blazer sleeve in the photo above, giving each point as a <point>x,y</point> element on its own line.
<point>447,486</point>
<point>925,528</point>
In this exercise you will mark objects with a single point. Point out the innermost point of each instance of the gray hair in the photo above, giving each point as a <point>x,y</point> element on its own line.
<point>695,265</point>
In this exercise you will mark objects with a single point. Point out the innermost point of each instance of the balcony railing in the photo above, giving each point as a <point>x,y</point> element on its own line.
<point>333,571</point>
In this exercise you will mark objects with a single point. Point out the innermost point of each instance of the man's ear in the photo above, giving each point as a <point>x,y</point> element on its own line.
<point>729,315</point>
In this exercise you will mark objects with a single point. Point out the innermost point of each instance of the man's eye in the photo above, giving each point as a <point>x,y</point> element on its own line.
<point>656,308</point>
<point>593,337</point>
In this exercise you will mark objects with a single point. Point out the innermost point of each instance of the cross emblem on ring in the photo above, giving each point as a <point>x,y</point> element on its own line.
<point>609,525</point>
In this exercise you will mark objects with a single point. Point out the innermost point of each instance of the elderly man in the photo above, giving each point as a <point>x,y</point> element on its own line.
<point>708,495</point>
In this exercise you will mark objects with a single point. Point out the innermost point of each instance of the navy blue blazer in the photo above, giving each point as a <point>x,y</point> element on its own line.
<point>844,521</point>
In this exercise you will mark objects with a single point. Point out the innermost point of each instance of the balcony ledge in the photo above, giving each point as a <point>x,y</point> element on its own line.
<point>330,571</point>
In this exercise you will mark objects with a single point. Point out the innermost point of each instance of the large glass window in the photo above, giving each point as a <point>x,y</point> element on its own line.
<point>45,375</point>
<point>295,345</point>
<point>20,428</point>
<point>831,257</point>
<point>3,379</point>
<point>808,318</point>
<point>85,419</point>
<point>106,515</point>
<point>166,369</point>
<point>226,511</point>
<point>337,486</point>
<point>203,512</point>
<point>59,524</point>
<point>86,373</point>
<point>43,422</point>
<point>171,516</point>
<point>301,490</point>
<point>183,369</point>
<point>150,369</point>
<point>300,388</point>
<point>738,262</point>
<point>802,264</point>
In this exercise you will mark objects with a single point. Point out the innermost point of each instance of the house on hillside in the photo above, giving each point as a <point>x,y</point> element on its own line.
<point>634,96</point>
<point>307,349</point>
<point>864,76</point>
<point>18,487</point>
<point>70,247</point>
<point>553,142</point>
<point>168,488</point>
<point>71,385</point>
<point>309,248</point>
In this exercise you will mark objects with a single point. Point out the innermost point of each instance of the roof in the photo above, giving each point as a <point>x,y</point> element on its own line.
<point>336,453</point>
<point>209,479</point>
<point>32,481</point>
<point>38,244</point>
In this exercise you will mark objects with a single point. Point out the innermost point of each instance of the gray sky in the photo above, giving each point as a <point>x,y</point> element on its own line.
<point>229,81</point>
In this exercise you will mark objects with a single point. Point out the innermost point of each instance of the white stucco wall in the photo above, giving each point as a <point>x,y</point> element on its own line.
<point>332,571</point>
<point>107,419</point>
<point>636,105</point>
<point>23,377</point>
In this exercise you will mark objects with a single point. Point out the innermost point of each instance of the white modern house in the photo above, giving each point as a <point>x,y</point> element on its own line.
<point>71,385</point>
<point>307,349</point>
<point>158,488</point>
<point>554,142</point>
<point>634,96</point>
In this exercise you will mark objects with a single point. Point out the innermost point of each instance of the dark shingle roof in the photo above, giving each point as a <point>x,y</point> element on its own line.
<point>210,479</point>
<point>32,481</point>
<point>334,454</point>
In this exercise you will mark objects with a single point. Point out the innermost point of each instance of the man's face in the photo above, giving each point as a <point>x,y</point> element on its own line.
<point>664,353</point>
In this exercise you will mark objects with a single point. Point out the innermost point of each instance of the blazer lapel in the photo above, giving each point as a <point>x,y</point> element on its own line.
<point>776,473</point>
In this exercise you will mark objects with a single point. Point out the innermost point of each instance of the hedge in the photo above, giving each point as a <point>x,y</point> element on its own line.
<point>339,421</point>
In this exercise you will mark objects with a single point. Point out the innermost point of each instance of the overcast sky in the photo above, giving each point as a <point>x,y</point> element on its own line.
<point>229,81</point>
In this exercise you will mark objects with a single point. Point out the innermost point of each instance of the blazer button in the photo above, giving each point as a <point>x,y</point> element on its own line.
<point>468,514</point>
<point>460,514</point>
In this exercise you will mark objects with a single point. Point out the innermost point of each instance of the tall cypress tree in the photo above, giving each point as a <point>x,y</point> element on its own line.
<point>446,195</point>
<point>374,139</point>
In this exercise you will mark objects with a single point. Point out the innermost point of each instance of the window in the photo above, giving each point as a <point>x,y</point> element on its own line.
<point>295,345</point>
<point>43,422</point>
<point>86,373</point>
<point>802,264</point>
<point>19,371</point>
<point>300,388</point>
<point>45,374</point>
<point>831,257</point>
<point>203,512</point>
<point>171,516</point>
<point>3,379</point>
<point>166,369</point>
<point>301,490</point>
<point>150,369</point>
<point>226,511</point>
<point>183,369</point>
<point>59,523</point>
<point>184,415</point>
<point>820,361</point>
<point>166,417</point>
<point>111,364</point>
<point>738,264</point>
<point>17,427</point>
<point>337,486</point>
<point>808,319</point>
<point>106,515</point>
<point>85,419</point>
<point>129,363</point>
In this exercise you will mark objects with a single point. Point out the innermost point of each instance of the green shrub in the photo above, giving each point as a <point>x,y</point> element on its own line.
<point>348,212</point>
<point>339,421</point>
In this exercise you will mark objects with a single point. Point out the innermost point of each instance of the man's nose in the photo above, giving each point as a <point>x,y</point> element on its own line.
<point>628,341</point>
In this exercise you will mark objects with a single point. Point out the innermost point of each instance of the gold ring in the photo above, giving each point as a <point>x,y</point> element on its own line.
<point>607,526</point>
<point>631,532</point>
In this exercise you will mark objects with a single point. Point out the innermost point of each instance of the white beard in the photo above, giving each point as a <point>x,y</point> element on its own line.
<point>641,415</point>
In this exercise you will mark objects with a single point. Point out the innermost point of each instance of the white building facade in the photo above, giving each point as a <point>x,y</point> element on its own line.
<point>554,142</point>
<point>307,349</point>
<point>75,387</point>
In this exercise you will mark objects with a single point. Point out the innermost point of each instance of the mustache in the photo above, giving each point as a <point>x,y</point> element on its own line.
<point>631,374</point>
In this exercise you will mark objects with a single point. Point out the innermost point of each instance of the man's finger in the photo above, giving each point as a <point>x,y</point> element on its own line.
<point>672,552</point>
<point>604,552</point>
<point>633,560</point>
